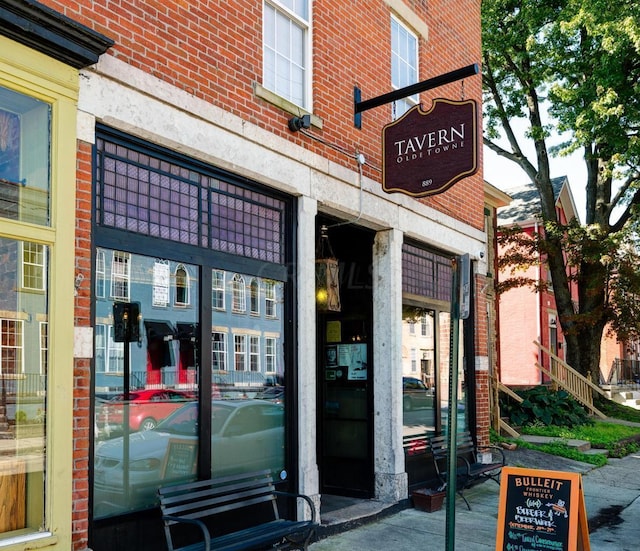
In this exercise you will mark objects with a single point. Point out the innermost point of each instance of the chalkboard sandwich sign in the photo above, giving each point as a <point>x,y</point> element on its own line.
<point>541,511</point>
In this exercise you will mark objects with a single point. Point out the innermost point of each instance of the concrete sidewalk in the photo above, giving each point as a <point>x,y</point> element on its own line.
<point>611,494</point>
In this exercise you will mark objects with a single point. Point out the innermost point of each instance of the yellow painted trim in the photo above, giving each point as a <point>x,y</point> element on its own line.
<point>31,73</point>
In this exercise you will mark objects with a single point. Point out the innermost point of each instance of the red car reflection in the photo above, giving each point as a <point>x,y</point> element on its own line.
<point>146,408</point>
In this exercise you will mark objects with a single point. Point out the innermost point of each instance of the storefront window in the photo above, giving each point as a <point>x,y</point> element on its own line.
<point>24,158</point>
<point>146,381</point>
<point>23,374</point>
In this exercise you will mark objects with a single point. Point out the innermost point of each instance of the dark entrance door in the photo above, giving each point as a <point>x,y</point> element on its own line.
<point>345,372</point>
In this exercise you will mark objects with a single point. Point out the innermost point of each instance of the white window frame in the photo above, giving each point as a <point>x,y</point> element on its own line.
<point>296,13</point>
<point>186,288</point>
<point>403,40</point>
<point>101,275</point>
<point>219,350</point>
<point>270,300</point>
<point>254,296</point>
<point>240,352</point>
<point>217,290</point>
<point>44,347</point>
<point>37,269</point>
<point>114,358</point>
<point>120,275</point>
<point>18,331</point>
<point>270,354</point>
<point>254,353</point>
<point>238,294</point>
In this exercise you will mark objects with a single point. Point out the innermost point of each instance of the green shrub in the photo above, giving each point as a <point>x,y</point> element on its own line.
<point>21,416</point>
<point>545,406</point>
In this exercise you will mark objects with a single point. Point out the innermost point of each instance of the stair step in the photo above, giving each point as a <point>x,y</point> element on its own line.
<point>580,445</point>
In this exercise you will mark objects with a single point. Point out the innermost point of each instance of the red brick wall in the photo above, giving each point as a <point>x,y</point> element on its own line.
<point>213,49</point>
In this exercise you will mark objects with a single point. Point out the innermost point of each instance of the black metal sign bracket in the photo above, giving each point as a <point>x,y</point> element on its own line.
<point>440,80</point>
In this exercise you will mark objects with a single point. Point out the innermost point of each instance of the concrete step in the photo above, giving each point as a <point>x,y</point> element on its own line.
<point>580,445</point>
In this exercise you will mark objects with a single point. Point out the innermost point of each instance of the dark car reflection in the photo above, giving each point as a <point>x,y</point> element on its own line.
<point>246,435</point>
<point>415,394</point>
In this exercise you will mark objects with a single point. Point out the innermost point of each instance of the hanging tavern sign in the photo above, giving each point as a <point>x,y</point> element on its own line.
<point>426,152</point>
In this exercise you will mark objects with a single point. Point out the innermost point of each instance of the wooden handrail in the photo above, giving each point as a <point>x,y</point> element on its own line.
<point>569,379</point>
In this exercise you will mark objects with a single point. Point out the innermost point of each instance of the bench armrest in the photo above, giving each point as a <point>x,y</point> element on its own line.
<point>302,496</point>
<point>203,528</point>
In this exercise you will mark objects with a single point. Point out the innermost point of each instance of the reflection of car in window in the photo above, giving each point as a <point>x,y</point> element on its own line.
<point>247,435</point>
<point>415,394</point>
<point>146,408</point>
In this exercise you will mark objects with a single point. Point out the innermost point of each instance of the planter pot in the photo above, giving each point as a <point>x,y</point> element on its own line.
<point>428,500</point>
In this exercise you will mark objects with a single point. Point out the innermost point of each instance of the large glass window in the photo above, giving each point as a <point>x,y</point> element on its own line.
<point>146,381</point>
<point>24,158</point>
<point>23,376</point>
<point>404,64</point>
<point>286,49</point>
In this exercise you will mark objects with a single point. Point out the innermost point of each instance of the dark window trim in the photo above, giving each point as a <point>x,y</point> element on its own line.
<point>51,33</point>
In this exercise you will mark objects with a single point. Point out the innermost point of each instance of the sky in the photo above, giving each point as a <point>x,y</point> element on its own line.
<point>505,174</point>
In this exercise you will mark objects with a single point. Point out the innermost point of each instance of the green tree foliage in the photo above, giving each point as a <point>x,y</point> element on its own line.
<point>579,60</point>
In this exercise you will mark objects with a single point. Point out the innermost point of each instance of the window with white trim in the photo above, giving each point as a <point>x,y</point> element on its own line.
<point>404,65</point>
<point>182,286</point>
<point>254,353</point>
<point>217,290</point>
<point>238,294</point>
<point>286,49</point>
<point>101,275</point>
<point>270,354</point>
<point>219,351</point>
<point>254,296</point>
<point>33,266</point>
<point>240,352</point>
<point>11,346</point>
<point>120,275</point>
<point>270,299</point>
<point>44,347</point>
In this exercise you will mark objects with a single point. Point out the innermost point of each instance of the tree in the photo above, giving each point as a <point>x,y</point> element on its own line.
<point>580,61</point>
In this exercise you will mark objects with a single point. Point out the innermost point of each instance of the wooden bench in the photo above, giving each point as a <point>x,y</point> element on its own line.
<point>470,471</point>
<point>214,507</point>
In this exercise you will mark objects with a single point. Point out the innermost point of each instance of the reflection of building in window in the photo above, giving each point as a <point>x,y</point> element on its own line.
<point>219,351</point>
<point>414,360</point>
<point>239,294</point>
<point>404,64</point>
<point>217,290</point>
<point>120,275</point>
<point>255,296</point>
<point>11,346</point>
<point>100,275</point>
<point>254,353</point>
<point>270,354</point>
<point>286,43</point>
<point>240,352</point>
<point>182,285</point>
<point>109,355</point>
<point>33,266</point>
<point>270,299</point>
<point>44,347</point>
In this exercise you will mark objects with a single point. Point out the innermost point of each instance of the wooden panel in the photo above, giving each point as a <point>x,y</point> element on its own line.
<point>13,499</point>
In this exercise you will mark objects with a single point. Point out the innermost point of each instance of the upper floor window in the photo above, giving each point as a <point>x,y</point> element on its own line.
<point>286,47</point>
<point>182,285</point>
<point>404,64</point>
<point>120,274</point>
<point>24,158</point>
<point>217,290</point>
<point>239,294</point>
<point>33,266</point>
<point>100,275</point>
<point>270,299</point>
<point>254,289</point>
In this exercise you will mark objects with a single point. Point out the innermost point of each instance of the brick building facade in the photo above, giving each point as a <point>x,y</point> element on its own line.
<point>196,202</point>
